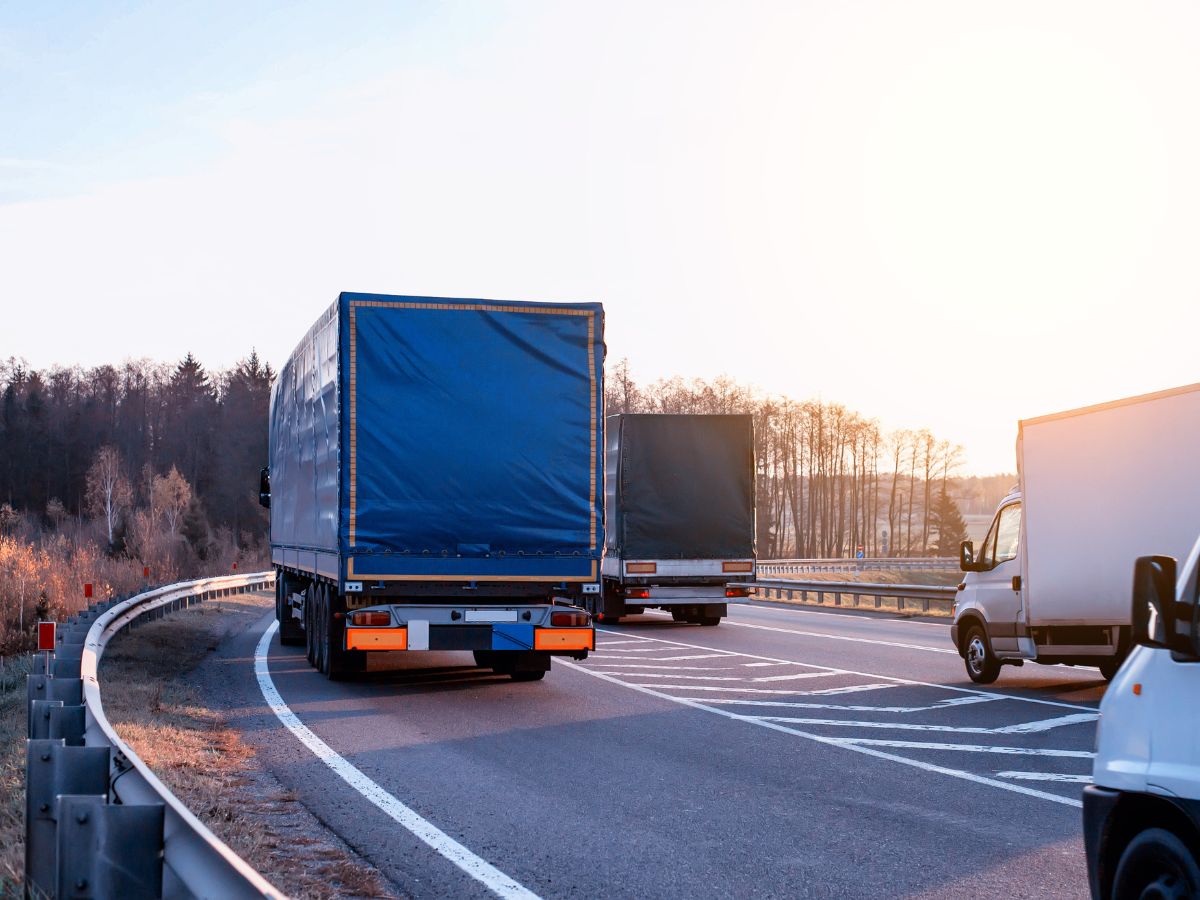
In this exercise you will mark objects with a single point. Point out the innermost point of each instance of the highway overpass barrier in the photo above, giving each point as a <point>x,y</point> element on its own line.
<point>909,597</point>
<point>875,564</point>
<point>98,823</point>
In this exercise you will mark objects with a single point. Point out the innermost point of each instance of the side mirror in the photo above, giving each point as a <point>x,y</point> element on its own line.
<point>264,487</point>
<point>966,557</point>
<point>1153,600</point>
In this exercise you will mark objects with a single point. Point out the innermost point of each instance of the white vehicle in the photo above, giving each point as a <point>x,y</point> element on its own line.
<point>1099,487</point>
<point>1141,816</point>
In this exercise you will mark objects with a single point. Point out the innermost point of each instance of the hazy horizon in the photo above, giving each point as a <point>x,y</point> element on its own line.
<point>938,215</point>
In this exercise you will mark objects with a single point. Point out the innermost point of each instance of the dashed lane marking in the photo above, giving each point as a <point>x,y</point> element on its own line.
<point>480,869</point>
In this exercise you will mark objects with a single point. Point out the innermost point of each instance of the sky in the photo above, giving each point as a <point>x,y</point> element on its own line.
<point>946,215</point>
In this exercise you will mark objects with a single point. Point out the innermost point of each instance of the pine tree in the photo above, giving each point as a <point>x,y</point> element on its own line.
<point>949,524</point>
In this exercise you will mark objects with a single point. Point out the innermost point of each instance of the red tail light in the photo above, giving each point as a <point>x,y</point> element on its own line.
<point>737,592</point>
<point>637,593</point>
<point>371,618</point>
<point>572,619</point>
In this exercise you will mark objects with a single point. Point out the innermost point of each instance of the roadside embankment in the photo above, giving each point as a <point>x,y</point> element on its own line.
<point>154,705</point>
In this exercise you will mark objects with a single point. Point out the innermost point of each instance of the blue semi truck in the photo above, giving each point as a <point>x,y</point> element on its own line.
<point>436,481</point>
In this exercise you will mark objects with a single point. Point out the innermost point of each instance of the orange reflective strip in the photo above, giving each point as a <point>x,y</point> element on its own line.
<point>564,639</point>
<point>641,568</point>
<point>376,638</point>
<point>737,567</point>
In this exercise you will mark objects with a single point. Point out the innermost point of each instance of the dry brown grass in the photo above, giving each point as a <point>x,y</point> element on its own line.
<point>207,765</point>
<point>12,776</point>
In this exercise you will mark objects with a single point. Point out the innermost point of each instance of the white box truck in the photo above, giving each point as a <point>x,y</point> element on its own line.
<point>1141,814</point>
<point>1099,487</point>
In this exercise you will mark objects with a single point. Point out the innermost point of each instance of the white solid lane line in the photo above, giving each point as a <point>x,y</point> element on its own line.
<point>845,637</point>
<point>480,869</point>
<point>834,671</point>
<point>1046,776</point>
<point>833,742</point>
<point>912,726</point>
<point>966,748</point>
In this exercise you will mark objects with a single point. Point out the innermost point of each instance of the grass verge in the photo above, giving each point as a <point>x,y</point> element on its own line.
<point>12,775</point>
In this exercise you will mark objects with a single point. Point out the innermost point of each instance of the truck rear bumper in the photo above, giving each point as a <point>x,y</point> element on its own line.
<point>518,628</point>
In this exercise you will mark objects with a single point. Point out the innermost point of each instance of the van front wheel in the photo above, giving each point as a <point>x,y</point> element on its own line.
<point>1157,864</point>
<point>982,665</point>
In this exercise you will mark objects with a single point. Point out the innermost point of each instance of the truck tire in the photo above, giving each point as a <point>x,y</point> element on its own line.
<point>528,676</point>
<point>982,665</point>
<point>290,632</point>
<point>678,615</point>
<point>708,620</point>
<point>310,627</point>
<point>1109,667</point>
<point>337,663</point>
<point>1157,863</point>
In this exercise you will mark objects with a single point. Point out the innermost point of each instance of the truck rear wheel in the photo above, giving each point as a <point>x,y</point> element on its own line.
<point>1157,864</point>
<point>310,627</point>
<point>1109,667</point>
<point>982,665</point>
<point>290,632</point>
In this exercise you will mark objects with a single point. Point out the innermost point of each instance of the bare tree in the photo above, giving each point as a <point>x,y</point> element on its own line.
<point>108,490</point>
<point>171,496</point>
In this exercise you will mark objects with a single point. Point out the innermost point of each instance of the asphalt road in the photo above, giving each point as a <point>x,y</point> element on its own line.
<point>786,753</point>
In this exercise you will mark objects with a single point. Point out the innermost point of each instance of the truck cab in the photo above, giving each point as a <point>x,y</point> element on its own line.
<point>1141,815</point>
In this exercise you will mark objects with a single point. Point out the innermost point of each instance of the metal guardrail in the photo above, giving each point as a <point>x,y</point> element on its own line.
<point>98,822</point>
<point>874,564</point>
<point>922,594</point>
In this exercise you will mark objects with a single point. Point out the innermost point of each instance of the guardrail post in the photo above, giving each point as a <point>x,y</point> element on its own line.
<point>47,687</point>
<point>52,768</point>
<point>878,601</point>
<point>109,851</point>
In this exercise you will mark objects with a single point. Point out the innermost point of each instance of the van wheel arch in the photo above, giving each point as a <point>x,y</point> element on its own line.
<point>964,625</point>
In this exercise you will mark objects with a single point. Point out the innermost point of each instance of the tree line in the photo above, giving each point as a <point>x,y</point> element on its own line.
<point>96,443</point>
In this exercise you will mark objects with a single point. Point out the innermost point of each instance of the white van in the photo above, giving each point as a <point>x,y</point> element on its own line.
<point>1099,487</point>
<point>1141,816</point>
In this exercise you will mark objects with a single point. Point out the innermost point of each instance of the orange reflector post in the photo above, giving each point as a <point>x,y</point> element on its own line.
<point>45,635</point>
<point>641,568</point>
<point>376,638</point>
<point>564,639</point>
<point>737,567</point>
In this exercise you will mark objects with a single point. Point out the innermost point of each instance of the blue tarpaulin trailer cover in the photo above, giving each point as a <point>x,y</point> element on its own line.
<point>426,439</point>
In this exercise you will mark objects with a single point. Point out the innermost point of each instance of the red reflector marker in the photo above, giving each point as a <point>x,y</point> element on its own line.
<point>573,619</point>
<point>371,618</point>
<point>46,636</point>
<point>637,593</point>
<point>737,592</point>
<point>87,590</point>
<point>145,571</point>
